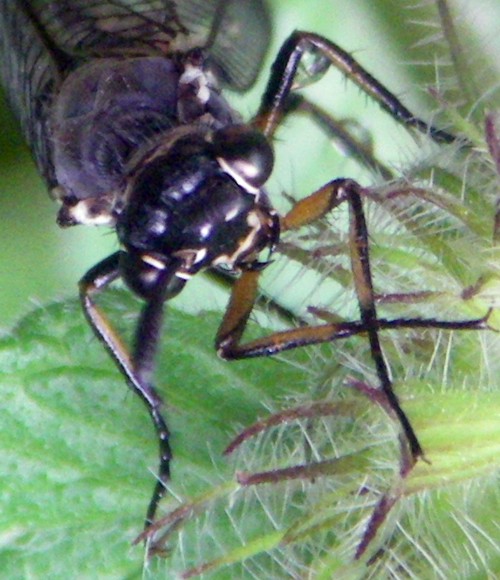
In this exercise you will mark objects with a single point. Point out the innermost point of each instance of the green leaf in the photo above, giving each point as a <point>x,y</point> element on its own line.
<point>78,453</point>
<point>78,457</point>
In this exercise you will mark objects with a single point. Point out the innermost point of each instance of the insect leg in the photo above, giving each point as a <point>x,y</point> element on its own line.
<point>136,369</point>
<point>306,211</point>
<point>362,276</point>
<point>284,72</point>
<point>245,290</point>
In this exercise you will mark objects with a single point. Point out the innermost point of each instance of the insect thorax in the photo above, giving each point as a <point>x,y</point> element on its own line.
<point>109,113</point>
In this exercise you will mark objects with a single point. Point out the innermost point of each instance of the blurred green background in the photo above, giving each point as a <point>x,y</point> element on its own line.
<point>40,262</point>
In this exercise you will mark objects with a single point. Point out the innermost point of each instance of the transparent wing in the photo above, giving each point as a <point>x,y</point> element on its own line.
<point>28,72</point>
<point>235,32</point>
<point>41,41</point>
<point>238,35</point>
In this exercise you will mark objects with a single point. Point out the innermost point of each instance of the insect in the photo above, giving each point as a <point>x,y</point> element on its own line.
<point>120,102</point>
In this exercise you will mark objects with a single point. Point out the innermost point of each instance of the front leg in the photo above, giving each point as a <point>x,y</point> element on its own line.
<point>137,369</point>
<point>229,337</point>
<point>245,291</point>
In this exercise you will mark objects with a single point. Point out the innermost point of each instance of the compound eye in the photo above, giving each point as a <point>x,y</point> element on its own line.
<point>245,154</point>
